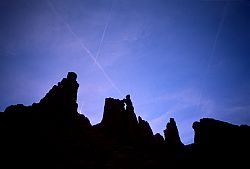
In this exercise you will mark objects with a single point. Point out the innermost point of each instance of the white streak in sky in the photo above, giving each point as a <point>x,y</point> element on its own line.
<point>211,56</point>
<point>104,31</point>
<point>86,49</point>
<point>81,109</point>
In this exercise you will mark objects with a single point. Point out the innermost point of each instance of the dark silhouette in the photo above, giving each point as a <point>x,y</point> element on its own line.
<point>171,134</point>
<point>52,134</point>
<point>221,143</point>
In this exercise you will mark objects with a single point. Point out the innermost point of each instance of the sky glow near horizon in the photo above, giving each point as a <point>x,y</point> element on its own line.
<point>181,59</point>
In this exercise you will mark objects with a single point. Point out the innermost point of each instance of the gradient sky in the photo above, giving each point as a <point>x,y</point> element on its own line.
<point>181,59</point>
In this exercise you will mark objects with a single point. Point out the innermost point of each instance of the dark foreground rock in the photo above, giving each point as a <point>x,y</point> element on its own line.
<point>52,134</point>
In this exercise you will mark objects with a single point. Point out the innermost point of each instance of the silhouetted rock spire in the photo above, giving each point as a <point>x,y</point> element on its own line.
<point>62,97</point>
<point>129,104</point>
<point>171,134</point>
<point>131,123</point>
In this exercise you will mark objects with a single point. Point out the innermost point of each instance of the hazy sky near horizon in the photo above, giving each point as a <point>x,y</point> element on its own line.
<point>176,58</point>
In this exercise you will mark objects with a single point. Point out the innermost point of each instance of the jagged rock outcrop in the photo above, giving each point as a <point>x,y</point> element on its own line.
<point>52,127</point>
<point>214,132</point>
<point>226,143</point>
<point>115,118</point>
<point>145,131</point>
<point>119,121</point>
<point>63,97</point>
<point>131,122</point>
<point>51,134</point>
<point>158,139</point>
<point>171,134</point>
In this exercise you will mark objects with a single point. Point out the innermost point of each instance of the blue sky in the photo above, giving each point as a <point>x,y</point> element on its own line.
<point>181,59</point>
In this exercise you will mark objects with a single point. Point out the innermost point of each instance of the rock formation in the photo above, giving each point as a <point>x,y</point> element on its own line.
<point>52,134</point>
<point>62,98</point>
<point>226,143</point>
<point>214,132</point>
<point>51,127</point>
<point>171,134</point>
<point>145,132</point>
<point>158,138</point>
<point>120,122</point>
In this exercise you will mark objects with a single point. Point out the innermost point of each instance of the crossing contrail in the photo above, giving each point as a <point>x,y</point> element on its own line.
<point>86,49</point>
<point>211,55</point>
<point>104,31</point>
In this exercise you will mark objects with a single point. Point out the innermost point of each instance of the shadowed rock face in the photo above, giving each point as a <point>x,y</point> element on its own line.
<point>145,130</point>
<point>226,143</point>
<point>51,127</point>
<point>211,132</point>
<point>171,134</point>
<point>62,98</point>
<point>120,122</point>
<point>52,134</point>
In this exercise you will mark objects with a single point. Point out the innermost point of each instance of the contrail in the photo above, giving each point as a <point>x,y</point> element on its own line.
<point>104,31</point>
<point>86,49</point>
<point>211,54</point>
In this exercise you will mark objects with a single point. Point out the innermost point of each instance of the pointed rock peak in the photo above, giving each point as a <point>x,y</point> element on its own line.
<point>62,97</point>
<point>145,130</point>
<point>129,104</point>
<point>140,119</point>
<point>171,134</point>
<point>127,99</point>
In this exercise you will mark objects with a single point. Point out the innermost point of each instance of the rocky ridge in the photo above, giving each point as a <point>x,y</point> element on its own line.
<point>52,133</point>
